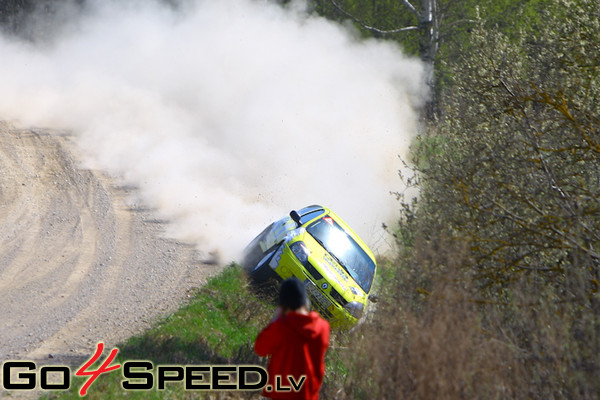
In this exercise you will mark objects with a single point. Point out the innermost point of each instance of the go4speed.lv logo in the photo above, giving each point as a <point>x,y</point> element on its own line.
<point>140,375</point>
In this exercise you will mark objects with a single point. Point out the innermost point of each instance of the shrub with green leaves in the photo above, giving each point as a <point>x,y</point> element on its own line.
<point>512,167</point>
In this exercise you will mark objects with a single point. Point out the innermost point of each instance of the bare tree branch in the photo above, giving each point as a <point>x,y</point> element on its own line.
<point>372,28</point>
<point>411,8</point>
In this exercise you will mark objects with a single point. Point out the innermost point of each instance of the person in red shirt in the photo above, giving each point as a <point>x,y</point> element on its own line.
<point>296,340</point>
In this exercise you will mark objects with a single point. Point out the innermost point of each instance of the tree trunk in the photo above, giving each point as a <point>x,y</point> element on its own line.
<point>428,44</point>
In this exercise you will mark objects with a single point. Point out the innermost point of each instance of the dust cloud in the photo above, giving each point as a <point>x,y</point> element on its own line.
<point>225,114</point>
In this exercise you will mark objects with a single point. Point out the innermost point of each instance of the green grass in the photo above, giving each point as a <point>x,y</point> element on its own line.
<point>218,326</point>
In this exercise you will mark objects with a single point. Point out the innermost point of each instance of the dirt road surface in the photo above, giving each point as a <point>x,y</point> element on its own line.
<point>78,265</point>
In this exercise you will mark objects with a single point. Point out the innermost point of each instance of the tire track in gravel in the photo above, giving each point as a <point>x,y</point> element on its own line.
<point>78,265</point>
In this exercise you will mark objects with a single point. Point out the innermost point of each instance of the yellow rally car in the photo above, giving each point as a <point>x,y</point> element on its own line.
<point>319,248</point>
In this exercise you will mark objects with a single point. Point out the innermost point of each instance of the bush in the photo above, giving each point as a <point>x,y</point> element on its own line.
<point>495,294</point>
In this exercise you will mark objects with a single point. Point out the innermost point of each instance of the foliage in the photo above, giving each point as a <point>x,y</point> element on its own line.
<point>518,160</point>
<point>384,15</point>
<point>510,167</point>
<point>446,37</point>
<point>425,344</point>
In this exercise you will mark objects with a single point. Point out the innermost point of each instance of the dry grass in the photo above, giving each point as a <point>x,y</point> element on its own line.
<point>434,338</point>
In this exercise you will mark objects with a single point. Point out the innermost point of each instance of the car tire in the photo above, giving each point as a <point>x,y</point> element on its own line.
<point>262,277</point>
<point>262,271</point>
<point>253,252</point>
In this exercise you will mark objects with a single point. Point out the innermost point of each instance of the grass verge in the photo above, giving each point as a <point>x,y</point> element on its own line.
<point>218,326</point>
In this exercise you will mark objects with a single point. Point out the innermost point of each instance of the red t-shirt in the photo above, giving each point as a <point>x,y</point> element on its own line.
<point>297,344</point>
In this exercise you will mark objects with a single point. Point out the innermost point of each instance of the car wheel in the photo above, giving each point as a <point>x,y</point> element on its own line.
<point>253,252</point>
<point>262,277</point>
<point>262,271</point>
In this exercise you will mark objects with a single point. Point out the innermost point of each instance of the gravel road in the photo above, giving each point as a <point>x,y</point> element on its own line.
<point>78,264</point>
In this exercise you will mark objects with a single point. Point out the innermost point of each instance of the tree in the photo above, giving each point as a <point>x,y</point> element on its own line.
<point>425,23</point>
<point>513,164</point>
<point>436,30</point>
<point>393,17</point>
<point>15,15</point>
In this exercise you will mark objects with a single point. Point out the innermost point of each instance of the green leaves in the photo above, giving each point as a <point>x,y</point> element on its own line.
<point>519,174</point>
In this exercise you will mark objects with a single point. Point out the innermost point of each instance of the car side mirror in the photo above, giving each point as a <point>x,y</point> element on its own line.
<point>373,298</point>
<point>296,217</point>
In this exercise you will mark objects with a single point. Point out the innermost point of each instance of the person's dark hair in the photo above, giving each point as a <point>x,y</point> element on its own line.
<point>292,294</point>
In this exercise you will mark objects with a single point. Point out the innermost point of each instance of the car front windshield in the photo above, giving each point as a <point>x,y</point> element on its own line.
<point>348,253</point>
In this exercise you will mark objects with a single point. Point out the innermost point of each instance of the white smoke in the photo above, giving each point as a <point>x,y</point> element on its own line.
<point>226,114</point>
